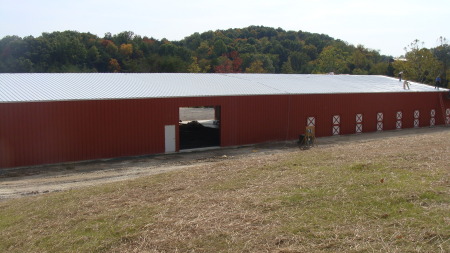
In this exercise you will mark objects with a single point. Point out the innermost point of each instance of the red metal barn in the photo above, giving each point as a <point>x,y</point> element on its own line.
<point>55,118</point>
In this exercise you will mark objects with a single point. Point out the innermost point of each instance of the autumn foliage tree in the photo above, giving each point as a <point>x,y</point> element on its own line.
<point>229,63</point>
<point>126,50</point>
<point>114,66</point>
<point>225,65</point>
<point>236,61</point>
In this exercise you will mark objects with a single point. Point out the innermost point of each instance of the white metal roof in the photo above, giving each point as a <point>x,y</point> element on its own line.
<point>98,86</point>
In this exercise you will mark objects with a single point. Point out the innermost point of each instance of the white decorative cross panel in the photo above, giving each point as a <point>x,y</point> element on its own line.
<point>416,114</point>
<point>447,113</point>
<point>416,122</point>
<point>359,118</point>
<point>380,116</point>
<point>380,126</point>
<point>336,120</point>
<point>358,128</point>
<point>432,120</point>
<point>398,125</point>
<point>399,115</point>
<point>336,130</point>
<point>311,121</point>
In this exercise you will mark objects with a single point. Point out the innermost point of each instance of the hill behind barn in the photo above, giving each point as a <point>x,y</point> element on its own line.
<point>384,192</point>
<point>253,49</point>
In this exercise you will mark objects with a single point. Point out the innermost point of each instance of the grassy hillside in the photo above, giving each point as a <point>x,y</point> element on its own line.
<point>385,195</point>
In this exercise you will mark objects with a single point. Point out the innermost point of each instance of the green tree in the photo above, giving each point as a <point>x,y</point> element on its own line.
<point>171,64</point>
<point>420,64</point>
<point>299,61</point>
<point>442,53</point>
<point>93,55</point>
<point>381,68</point>
<point>194,67</point>
<point>220,48</point>
<point>24,65</point>
<point>123,37</point>
<point>193,41</point>
<point>205,65</point>
<point>13,51</point>
<point>266,60</point>
<point>278,50</point>
<point>111,48</point>
<point>256,67</point>
<point>331,59</point>
<point>360,72</point>
<point>203,51</point>
<point>68,48</point>
<point>359,60</point>
<point>286,68</point>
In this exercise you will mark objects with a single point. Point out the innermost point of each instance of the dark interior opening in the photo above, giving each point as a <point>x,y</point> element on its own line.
<point>199,127</point>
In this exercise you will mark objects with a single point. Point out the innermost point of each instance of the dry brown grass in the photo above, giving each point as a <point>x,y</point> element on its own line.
<point>386,195</point>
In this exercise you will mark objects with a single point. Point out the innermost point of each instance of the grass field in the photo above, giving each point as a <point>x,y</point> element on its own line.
<point>380,195</point>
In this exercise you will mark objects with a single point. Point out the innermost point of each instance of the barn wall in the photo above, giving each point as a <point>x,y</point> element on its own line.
<point>53,132</point>
<point>324,106</point>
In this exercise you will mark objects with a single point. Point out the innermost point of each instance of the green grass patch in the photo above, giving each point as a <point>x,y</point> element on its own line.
<point>88,220</point>
<point>367,195</point>
<point>333,199</point>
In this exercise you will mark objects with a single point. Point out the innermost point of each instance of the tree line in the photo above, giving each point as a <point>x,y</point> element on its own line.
<point>425,65</point>
<point>254,49</point>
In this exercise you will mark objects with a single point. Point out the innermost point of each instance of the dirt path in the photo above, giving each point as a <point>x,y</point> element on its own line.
<point>19,182</point>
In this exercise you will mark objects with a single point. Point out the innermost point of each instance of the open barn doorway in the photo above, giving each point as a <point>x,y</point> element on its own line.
<point>199,127</point>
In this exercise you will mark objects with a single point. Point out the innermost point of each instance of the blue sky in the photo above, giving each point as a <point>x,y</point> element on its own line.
<point>384,25</point>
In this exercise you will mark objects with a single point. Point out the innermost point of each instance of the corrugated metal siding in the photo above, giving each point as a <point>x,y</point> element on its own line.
<point>101,86</point>
<point>38,133</point>
<point>53,132</point>
<point>324,106</point>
